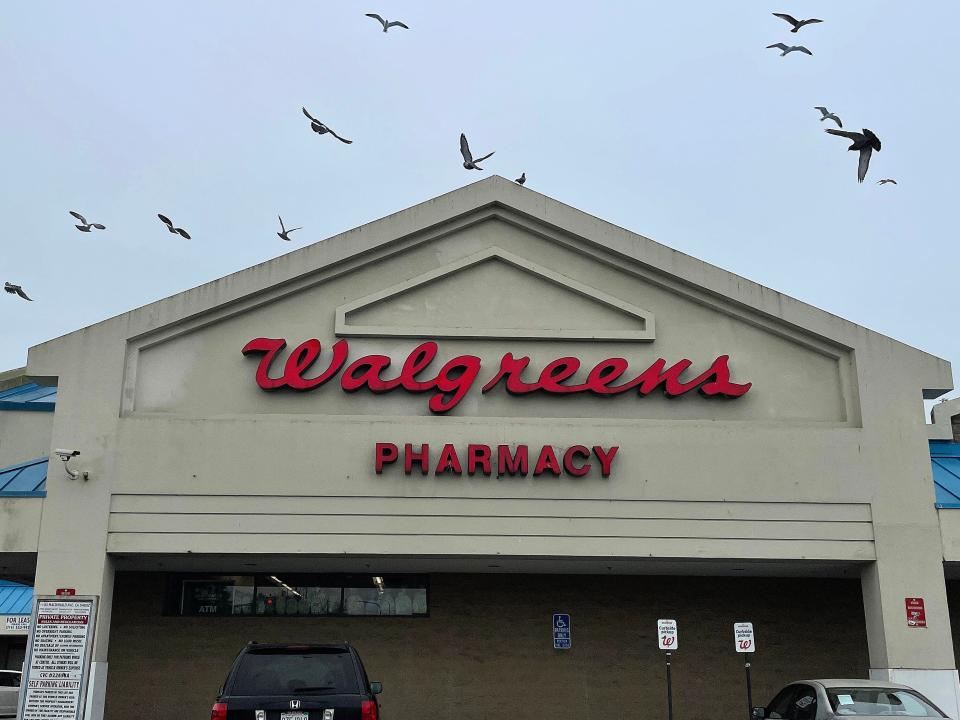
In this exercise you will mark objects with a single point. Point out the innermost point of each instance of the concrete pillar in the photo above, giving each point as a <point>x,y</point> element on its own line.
<point>72,554</point>
<point>919,657</point>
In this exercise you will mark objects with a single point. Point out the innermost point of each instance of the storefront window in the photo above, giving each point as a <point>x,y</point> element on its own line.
<point>299,595</point>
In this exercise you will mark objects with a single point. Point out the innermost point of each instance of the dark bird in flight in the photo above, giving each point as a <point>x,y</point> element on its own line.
<point>84,226</point>
<point>387,25</point>
<point>789,48</point>
<point>827,115</point>
<point>866,142</point>
<point>468,162</point>
<point>320,129</point>
<point>886,180</point>
<point>16,290</point>
<point>522,179</point>
<point>797,24</point>
<point>284,233</point>
<point>169,223</point>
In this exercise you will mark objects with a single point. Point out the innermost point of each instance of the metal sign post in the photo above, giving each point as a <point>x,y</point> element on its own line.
<point>668,640</point>
<point>745,642</point>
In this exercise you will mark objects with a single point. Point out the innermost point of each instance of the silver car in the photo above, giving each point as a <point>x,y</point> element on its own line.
<point>9,692</point>
<point>837,699</point>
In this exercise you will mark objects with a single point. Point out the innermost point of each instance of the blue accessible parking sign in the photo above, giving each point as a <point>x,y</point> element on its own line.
<point>561,631</point>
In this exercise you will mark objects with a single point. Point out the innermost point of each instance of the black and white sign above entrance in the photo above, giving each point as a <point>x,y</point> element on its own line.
<point>55,673</point>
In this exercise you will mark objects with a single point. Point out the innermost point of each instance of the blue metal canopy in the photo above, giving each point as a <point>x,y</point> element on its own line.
<point>15,599</point>
<point>27,479</point>
<point>29,397</point>
<point>945,460</point>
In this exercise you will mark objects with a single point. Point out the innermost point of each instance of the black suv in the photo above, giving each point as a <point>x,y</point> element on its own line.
<point>297,682</point>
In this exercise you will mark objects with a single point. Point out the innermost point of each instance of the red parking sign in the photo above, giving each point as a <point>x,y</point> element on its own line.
<point>916,613</point>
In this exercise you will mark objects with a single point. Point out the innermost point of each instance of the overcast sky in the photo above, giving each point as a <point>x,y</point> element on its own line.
<point>670,119</point>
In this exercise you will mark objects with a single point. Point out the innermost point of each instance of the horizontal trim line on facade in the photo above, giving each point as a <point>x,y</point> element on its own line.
<point>493,535</point>
<point>817,521</point>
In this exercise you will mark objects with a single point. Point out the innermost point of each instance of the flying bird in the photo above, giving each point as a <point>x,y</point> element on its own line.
<point>284,232</point>
<point>84,225</point>
<point>789,48</point>
<point>827,115</point>
<point>522,179</point>
<point>797,24</point>
<point>387,25</point>
<point>320,129</point>
<point>886,180</point>
<point>16,290</point>
<point>468,162</point>
<point>866,142</point>
<point>169,223</point>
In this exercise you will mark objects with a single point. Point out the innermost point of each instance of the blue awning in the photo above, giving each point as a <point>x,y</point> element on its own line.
<point>945,460</point>
<point>29,397</point>
<point>27,479</point>
<point>15,599</point>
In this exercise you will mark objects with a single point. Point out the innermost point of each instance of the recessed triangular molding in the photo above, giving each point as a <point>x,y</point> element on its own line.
<point>644,332</point>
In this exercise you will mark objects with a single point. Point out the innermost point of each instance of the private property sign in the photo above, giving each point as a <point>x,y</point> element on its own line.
<point>55,673</point>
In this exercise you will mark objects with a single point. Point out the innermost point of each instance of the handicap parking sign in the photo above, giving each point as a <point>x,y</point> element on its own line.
<point>561,631</point>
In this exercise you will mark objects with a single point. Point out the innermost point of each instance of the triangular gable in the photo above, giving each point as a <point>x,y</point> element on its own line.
<point>638,325</point>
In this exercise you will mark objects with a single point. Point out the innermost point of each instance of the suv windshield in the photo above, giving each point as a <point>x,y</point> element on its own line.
<point>290,671</point>
<point>879,701</point>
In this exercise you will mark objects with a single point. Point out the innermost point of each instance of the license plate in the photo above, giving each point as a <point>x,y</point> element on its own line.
<point>294,716</point>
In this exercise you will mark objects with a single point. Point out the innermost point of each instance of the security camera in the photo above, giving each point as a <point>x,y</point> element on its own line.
<point>66,456</point>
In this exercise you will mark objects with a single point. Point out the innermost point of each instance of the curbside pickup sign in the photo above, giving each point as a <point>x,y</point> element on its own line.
<point>667,637</point>
<point>743,637</point>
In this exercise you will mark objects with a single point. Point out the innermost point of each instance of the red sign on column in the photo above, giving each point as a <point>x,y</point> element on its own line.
<point>916,614</point>
<point>66,591</point>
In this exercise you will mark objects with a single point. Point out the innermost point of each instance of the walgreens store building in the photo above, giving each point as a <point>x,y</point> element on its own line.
<point>432,433</point>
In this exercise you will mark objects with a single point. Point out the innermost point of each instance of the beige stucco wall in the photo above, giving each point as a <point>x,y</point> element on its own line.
<point>24,435</point>
<point>20,524</point>
<point>825,458</point>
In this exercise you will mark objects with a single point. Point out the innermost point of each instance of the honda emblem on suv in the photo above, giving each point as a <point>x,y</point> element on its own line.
<point>294,704</point>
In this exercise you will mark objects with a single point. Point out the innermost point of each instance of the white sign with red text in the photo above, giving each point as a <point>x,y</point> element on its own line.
<point>667,637</point>
<point>58,658</point>
<point>743,637</point>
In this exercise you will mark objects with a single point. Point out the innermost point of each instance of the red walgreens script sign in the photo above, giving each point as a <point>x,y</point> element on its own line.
<point>453,381</point>
<point>916,613</point>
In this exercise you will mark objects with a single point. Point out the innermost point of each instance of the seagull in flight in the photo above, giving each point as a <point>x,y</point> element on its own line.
<point>84,225</point>
<point>522,179</point>
<point>468,162</point>
<point>16,290</point>
<point>789,48</point>
<point>320,129</point>
<point>284,232</point>
<point>797,24</point>
<point>387,25</point>
<point>169,223</point>
<point>827,115</point>
<point>866,142</point>
<point>886,180</point>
